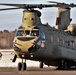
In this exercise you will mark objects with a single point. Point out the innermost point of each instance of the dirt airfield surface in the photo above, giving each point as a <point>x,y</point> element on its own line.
<point>35,71</point>
<point>9,68</point>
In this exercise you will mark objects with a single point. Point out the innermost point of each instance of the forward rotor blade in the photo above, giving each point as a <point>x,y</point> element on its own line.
<point>16,5</point>
<point>40,6</point>
<point>8,9</point>
<point>30,6</point>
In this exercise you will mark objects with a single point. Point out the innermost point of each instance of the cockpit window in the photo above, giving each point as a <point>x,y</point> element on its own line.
<point>35,33</point>
<point>42,34</point>
<point>23,33</point>
<point>27,32</point>
<point>20,33</point>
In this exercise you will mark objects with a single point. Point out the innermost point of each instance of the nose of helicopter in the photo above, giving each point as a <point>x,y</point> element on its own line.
<point>23,44</point>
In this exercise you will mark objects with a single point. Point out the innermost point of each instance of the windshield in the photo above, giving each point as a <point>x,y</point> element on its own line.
<point>27,32</point>
<point>23,33</point>
<point>35,33</point>
<point>20,33</point>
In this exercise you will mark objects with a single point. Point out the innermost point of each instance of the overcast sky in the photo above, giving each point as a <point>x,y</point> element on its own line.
<point>12,19</point>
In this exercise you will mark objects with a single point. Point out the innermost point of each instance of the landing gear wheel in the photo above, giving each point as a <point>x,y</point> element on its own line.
<point>24,66</point>
<point>41,64</point>
<point>65,66</point>
<point>19,66</point>
<point>75,66</point>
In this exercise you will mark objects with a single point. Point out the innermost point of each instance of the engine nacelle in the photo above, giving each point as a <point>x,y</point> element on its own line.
<point>72,29</point>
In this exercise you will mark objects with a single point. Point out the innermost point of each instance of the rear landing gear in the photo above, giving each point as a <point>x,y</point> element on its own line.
<point>63,65</point>
<point>41,64</point>
<point>22,66</point>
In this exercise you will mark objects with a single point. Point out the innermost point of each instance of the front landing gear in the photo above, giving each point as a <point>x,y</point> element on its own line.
<point>22,66</point>
<point>19,66</point>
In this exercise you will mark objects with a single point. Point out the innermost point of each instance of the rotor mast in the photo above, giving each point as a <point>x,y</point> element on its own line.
<point>63,18</point>
<point>31,18</point>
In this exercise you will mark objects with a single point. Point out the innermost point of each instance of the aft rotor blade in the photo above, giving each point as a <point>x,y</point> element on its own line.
<point>53,2</point>
<point>8,9</point>
<point>72,5</point>
<point>59,4</point>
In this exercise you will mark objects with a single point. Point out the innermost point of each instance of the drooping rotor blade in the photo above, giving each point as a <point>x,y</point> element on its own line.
<point>9,9</point>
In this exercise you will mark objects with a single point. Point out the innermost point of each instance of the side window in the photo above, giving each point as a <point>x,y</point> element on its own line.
<point>35,33</point>
<point>58,40</point>
<point>20,33</point>
<point>52,39</point>
<point>42,35</point>
<point>63,41</point>
<point>73,44</point>
<point>68,43</point>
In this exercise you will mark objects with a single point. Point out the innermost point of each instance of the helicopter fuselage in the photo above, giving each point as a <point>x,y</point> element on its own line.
<point>50,47</point>
<point>39,42</point>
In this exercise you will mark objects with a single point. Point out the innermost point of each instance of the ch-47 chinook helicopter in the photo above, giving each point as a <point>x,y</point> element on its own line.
<point>53,46</point>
